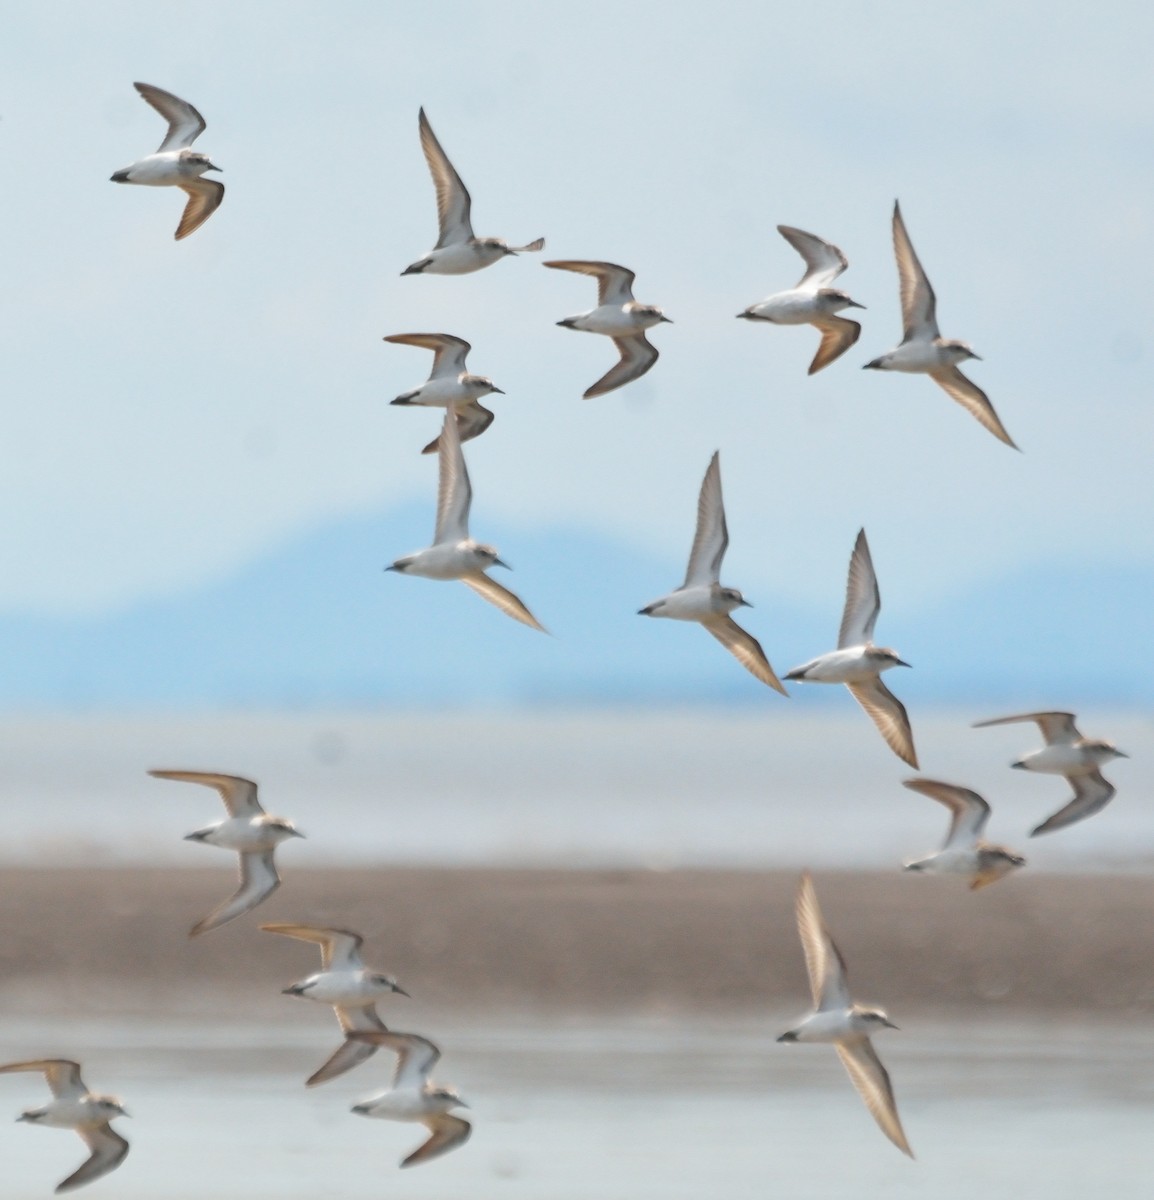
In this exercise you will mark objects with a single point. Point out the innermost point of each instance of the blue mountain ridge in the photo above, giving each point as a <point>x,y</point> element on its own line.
<point>317,623</point>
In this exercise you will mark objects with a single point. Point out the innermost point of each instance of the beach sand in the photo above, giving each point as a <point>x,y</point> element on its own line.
<point>632,941</point>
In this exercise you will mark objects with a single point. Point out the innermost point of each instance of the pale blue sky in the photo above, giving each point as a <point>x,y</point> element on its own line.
<point>172,409</point>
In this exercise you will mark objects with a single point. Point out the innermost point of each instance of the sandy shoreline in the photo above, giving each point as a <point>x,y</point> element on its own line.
<point>114,940</point>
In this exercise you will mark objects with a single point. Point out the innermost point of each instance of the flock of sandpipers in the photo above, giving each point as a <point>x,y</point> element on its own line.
<point>344,981</point>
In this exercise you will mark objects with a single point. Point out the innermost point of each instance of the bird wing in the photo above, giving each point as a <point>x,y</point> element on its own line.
<point>824,262</point>
<point>1091,794</point>
<point>204,197</point>
<point>258,879</point>
<point>239,795</point>
<point>340,948</point>
<point>873,1085</point>
<point>1057,728</point>
<point>919,320</point>
<point>823,961</point>
<point>711,536</point>
<point>472,420</point>
<point>185,124</point>
<point>416,1055</point>
<point>888,713</point>
<point>449,352</point>
<point>838,334</point>
<point>505,600</point>
<point>973,400</point>
<point>614,283</point>
<point>863,601</point>
<point>108,1152</point>
<point>638,354</point>
<point>745,648</point>
<point>453,203</point>
<point>447,1131</point>
<point>969,812</point>
<point>454,492</point>
<point>352,1051</point>
<point>61,1074</point>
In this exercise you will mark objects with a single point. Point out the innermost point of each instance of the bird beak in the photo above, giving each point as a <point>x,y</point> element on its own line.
<point>872,366</point>
<point>392,567</point>
<point>214,167</point>
<point>296,833</point>
<point>1121,754</point>
<point>745,604</point>
<point>666,319</point>
<point>401,991</point>
<point>463,1103</point>
<point>890,1025</point>
<point>498,391</point>
<point>977,356</point>
<point>900,663</point>
<point>500,562</point>
<point>855,304</point>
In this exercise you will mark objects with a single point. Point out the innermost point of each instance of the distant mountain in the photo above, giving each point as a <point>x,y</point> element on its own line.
<point>317,623</point>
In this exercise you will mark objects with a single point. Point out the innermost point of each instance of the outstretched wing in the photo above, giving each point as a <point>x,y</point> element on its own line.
<point>968,811</point>
<point>510,604</point>
<point>823,961</point>
<point>745,648</point>
<point>340,948</point>
<point>449,352</point>
<point>824,262</point>
<point>873,1085</point>
<point>973,400</point>
<point>919,307</point>
<point>614,283</point>
<point>472,420</point>
<point>61,1074</point>
<point>454,492</point>
<point>711,536</point>
<point>453,203</point>
<point>108,1152</point>
<point>863,601</point>
<point>447,1132</point>
<point>185,124</point>
<point>239,795</point>
<point>838,334</point>
<point>889,714</point>
<point>638,354</point>
<point>1057,727</point>
<point>351,1052</point>
<point>204,198</point>
<point>258,879</point>
<point>1091,794</point>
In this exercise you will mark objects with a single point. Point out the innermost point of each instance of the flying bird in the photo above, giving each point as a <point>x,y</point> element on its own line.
<point>812,301</point>
<point>248,830</point>
<point>175,164</point>
<point>73,1106</point>
<point>454,554</point>
<point>348,985</point>
<point>458,251</point>
<point>923,350</point>
<point>449,385</point>
<point>701,597</point>
<point>964,851</point>
<point>1070,754</point>
<point>858,663</point>
<point>413,1097</point>
<point>618,316</point>
<point>837,1019</point>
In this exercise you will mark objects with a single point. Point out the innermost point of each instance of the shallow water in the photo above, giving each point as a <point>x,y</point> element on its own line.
<point>708,788</point>
<point>606,1108</point>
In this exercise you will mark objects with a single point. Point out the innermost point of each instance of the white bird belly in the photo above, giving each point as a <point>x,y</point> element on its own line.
<point>398,1106</point>
<point>686,604</point>
<point>157,170</point>
<point>839,666</point>
<point>916,358</point>
<point>1059,760</point>
<point>450,560</point>
<point>613,321</point>
<point>825,1027</point>
<point>245,835</point>
<point>461,258</point>
<point>441,393</point>
<point>350,989</point>
<point>787,308</point>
